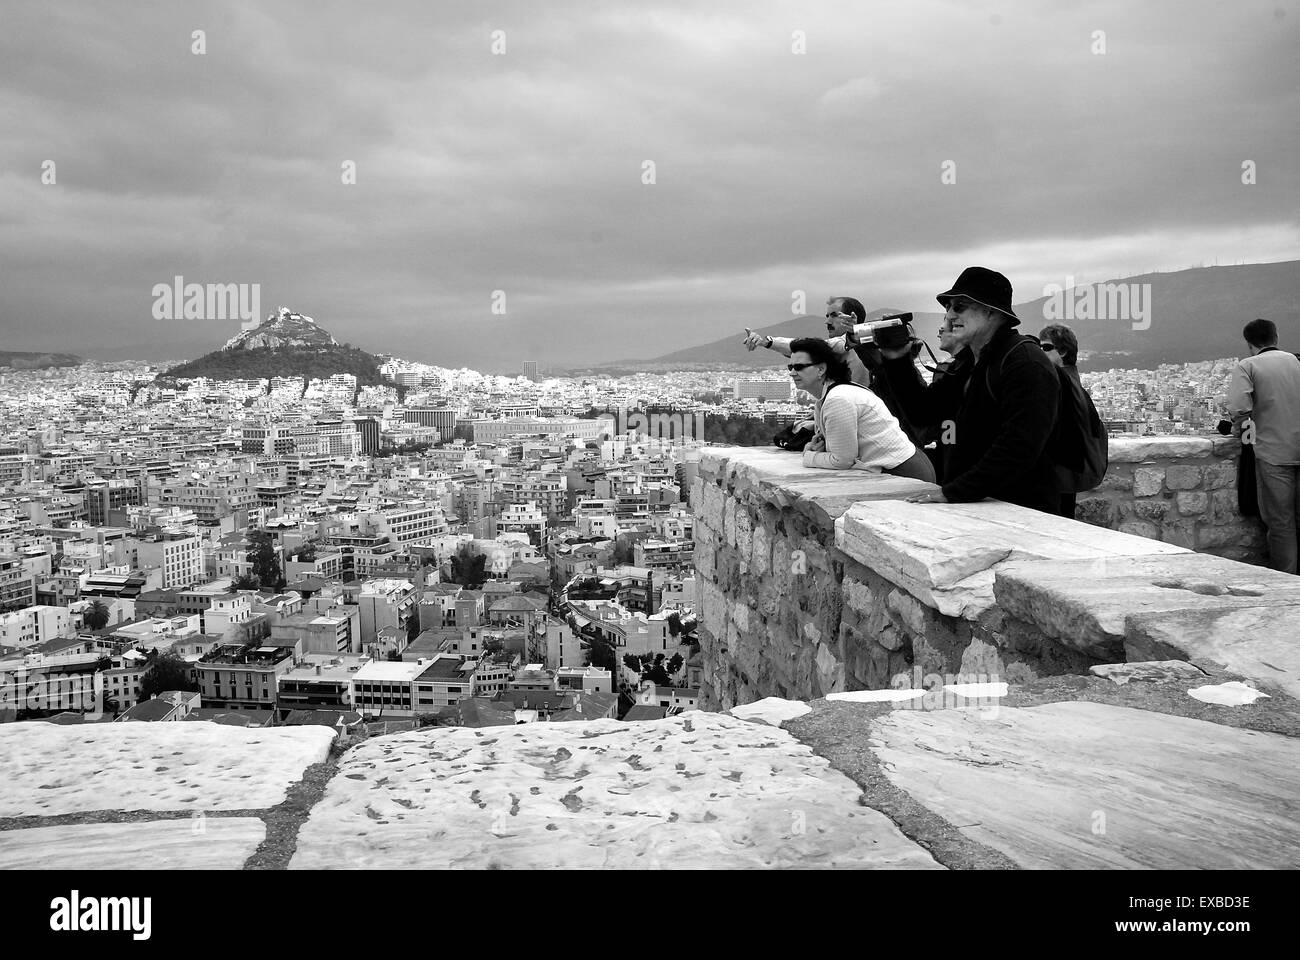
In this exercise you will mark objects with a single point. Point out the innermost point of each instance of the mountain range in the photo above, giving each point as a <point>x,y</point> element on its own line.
<point>20,360</point>
<point>1138,322</point>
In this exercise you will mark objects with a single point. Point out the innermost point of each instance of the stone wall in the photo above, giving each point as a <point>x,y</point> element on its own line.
<point>817,581</point>
<point>1181,490</point>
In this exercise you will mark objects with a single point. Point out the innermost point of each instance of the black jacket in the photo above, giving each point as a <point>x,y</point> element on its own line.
<point>1002,414</point>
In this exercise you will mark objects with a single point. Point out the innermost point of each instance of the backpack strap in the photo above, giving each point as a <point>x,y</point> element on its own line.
<point>1002,367</point>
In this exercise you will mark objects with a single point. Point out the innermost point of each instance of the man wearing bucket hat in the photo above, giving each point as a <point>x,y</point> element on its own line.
<point>1002,415</point>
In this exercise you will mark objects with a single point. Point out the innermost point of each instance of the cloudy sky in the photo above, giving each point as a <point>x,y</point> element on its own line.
<point>522,171</point>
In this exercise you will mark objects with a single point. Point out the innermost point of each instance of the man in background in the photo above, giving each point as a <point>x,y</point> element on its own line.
<point>1264,403</point>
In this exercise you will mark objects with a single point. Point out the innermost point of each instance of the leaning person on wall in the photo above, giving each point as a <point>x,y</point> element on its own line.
<point>854,428</point>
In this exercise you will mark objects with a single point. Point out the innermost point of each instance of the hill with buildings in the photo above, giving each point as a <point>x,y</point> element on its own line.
<point>1139,321</point>
<point>285,344</point>
<point>19,360</point>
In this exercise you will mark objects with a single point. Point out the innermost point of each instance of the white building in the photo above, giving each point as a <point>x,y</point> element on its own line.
<point>34,625</point>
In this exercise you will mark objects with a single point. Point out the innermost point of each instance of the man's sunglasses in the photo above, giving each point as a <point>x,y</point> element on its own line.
<point>959,304</point>
<point>792,367</point>
<point>1047,347</point>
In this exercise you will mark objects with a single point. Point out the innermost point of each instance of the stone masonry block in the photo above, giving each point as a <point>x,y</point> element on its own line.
<point>1116,479</point>
<point>760,552</point>
<point>1179,532</point>
<point>1140,528</point>
<point>1222,474</point>
<point>1098,511</point>
<point>1151,509</point>
<point>1223,507</point>
<point>1193,503</point>
<point>1148,481</point>
<point>714,502</point>
<point>744,532</point>
<point>1183,477</point>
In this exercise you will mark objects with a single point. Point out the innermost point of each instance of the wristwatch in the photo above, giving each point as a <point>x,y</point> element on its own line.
<point>768,345</point>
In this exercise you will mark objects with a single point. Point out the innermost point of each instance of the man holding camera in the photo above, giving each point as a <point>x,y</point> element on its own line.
<point>842,315</point>
<point>1001,415</point>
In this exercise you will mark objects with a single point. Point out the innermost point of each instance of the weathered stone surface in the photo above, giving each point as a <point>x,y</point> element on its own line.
<point>1148,671</point>
<point>1148,481</point>
<point>210,843</point>
<point>1183,477</point>
<point>1086,785</point>
<point>1138,449</point>
<point>1181,533</point>
<point>1258,641</point>
<point>1116,480</point>
<point>151,766</point>
<point>1221,474</point>
<point>1085,603</point>
<point>1140,528</point>
<point>1095,510</point>
<point>1226,446</point>
<point>699,790</point>
<point>945,554</point>
<point>1223,507</point>
<point>1192,503</point>
<point>773,711</point>
<point>1151,509</point>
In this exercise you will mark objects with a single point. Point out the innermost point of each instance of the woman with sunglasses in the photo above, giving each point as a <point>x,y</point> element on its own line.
<point>855,430</point>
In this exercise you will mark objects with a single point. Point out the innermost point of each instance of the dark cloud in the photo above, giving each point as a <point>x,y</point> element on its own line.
<point>522,172</point>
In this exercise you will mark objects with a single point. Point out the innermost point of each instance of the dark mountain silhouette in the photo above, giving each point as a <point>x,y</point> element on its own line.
<point>286,344</point>
<point>20,360</point>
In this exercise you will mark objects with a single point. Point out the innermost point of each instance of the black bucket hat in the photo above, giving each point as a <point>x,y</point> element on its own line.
<point>984,286</point>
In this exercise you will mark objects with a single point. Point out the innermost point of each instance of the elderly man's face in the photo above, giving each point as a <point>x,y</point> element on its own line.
<point>965,319</point>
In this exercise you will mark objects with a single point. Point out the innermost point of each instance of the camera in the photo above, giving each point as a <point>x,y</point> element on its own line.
<point>889,332</point>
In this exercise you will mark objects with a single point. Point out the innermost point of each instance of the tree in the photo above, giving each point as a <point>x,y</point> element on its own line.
<point>675,664</point>
<point>97,615</point>
<point>600,654</point>
<point>623,553</point>
<point>468,568</point>
<point>266,566</point>
<point>246,581</point>
<point>166,671</point>
<point>307,553</point>
<point>656,673</point>
<point>674,624</point>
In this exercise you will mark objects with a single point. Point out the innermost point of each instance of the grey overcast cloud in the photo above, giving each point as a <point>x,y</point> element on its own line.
<point>522,169</point>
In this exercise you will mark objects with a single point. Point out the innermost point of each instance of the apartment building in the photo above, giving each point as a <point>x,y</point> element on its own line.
<point>386,689</point>
<point>386,603</point>
<point>319,681</point>
<point>243,676</point>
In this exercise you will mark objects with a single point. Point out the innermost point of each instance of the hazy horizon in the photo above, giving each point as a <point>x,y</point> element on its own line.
<point>521,171</point>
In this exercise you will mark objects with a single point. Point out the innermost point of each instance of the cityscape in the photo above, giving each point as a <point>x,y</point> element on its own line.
<point>322,537</point>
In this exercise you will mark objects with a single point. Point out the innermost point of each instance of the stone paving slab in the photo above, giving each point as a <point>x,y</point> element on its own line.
<point>48,769</point>
<point>1087,604</point>
<point>946,554</point>
<point>210,843</point>
<point>1260,642</point>
<point>696,791</point>
<point>1074,785</point>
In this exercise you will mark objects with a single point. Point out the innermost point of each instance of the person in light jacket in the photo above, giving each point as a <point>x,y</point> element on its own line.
<point>854,428</point>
